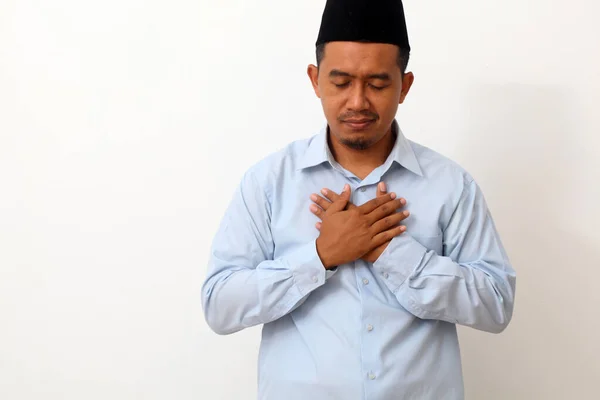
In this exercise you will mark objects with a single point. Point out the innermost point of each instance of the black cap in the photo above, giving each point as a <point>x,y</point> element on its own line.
<point>376,21</point>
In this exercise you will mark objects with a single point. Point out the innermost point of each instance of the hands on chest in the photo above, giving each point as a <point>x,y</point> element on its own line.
<point>349,232</point>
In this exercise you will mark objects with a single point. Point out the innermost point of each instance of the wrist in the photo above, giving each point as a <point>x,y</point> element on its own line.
<point>324,259</point>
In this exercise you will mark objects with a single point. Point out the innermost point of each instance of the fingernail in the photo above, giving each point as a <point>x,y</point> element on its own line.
<point>382,186</point>
<point>314,197</point>
<point>406,213</point>
<point>403,202</point>
<point>403,228</point>
<point>324,191</point>
<point>393,196</point>
<point>346,187</point>
<point>313,208</point>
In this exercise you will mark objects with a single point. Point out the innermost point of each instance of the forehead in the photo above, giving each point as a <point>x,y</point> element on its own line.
<point>361,58</point>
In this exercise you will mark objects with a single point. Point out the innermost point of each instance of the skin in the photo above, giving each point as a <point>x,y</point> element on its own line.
<point>360,82</point>
<point>360,86</point>
<point>322,204</point>
<point>348,234</point>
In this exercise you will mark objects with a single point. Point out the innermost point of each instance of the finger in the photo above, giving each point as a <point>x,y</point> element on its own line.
<point>341,202</point>
<point>318,211</point>
<point>371,205</point>
<point>385,209</point>
<point>330,195</point>
<point>333,196</point>
<point>381,189</point>
<point>321,202</point>
<point>386,236</point>
<point>389,222</point>
<point>318,225</point>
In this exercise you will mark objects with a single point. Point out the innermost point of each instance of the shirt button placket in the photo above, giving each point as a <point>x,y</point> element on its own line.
<point>369,337</point>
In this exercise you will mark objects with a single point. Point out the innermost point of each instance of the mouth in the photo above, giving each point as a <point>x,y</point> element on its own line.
<point>359,124</point>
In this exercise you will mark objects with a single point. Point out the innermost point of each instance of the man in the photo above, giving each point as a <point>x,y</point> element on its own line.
<point>360,296</point>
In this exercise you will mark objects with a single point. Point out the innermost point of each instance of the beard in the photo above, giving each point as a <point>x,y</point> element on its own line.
<point>357,144</point>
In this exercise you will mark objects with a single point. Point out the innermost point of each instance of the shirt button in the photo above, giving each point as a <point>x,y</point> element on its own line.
<point>365,281</point>
<point>369,328</point>
<point>372,376</point>
<point>363,189</point>
<point>386,275</point>
<point>315,279</point>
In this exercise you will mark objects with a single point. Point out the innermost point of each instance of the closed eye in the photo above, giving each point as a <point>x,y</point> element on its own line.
<point>377,87</point>
<point>342,85</point>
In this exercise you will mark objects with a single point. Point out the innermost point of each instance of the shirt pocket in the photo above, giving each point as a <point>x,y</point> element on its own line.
<point>434,243</point>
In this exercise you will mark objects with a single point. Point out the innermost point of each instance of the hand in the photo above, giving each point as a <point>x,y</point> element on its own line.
<point>347,235</point>
<point>330,196</point>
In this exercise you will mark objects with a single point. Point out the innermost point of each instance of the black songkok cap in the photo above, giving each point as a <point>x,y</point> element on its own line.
<point>377,21</point>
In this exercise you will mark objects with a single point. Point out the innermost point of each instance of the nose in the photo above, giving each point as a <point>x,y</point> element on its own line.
<point>358,100</point>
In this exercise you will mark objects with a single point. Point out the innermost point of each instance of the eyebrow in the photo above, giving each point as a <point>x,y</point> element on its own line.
<point>335,73</point>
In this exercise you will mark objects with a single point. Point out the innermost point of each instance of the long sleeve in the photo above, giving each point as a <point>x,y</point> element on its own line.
<point>244,285</point>
<point>471,284</point>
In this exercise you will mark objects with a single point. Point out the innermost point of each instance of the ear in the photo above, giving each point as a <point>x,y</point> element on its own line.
<point>313,75</point>
<point>407,82</point>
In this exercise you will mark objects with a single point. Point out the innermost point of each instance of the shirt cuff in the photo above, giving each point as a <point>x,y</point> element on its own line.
<point>398,261</point>
<point>308,270</point>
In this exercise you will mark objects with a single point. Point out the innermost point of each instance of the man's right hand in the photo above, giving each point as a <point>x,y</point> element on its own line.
<point>322,204</point>
<point>347,235</point>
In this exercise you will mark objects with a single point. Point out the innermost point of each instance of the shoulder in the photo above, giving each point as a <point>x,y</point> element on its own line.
<point>281,160</point>
<point>439,167</point>
<point>444,176</point>
<point>277,165</point>
<point>448,181</point>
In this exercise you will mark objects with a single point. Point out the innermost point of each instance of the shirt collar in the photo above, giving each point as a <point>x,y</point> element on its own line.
<point>318,151</point>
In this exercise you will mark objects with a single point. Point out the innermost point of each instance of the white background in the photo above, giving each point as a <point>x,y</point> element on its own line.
<point>125,126</point>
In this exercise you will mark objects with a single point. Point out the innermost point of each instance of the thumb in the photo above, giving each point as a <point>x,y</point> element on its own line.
<point>341,203</point>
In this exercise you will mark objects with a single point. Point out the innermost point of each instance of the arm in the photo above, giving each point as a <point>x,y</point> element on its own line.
<point>472,285</point>
<point>245,286</point>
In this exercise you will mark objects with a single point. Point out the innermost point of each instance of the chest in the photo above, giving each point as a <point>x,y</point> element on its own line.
<point>293,224</point>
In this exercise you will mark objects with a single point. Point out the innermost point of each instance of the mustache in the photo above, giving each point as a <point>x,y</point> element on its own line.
<point>358,115</point>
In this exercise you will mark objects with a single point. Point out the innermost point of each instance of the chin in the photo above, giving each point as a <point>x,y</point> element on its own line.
<point>357,142</point>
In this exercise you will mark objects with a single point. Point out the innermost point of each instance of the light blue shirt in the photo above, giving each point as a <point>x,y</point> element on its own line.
<point>364,331</point>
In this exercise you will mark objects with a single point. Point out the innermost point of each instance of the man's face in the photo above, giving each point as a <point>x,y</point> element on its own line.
<point>360,86</point>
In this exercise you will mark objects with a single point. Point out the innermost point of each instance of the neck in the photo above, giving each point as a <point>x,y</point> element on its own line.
<point>362,162</point>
